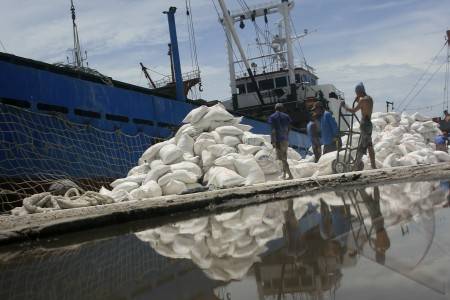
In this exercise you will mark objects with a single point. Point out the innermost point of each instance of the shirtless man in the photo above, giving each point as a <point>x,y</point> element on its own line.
<point>365,104</point>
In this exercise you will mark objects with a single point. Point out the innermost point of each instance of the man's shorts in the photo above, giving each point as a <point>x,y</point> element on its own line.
<point>282,148</point>
<point>365,140</point>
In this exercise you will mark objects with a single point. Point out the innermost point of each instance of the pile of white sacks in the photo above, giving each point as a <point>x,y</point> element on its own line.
<point>214,150</point>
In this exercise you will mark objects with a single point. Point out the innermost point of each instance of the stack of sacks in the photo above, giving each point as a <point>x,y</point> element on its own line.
<point>405,140</point>
<point>399,140</point>
<point>225,246</point>
<point>211,150</point>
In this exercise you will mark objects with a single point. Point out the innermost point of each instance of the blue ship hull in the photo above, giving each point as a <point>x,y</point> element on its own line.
<point>57,122</point>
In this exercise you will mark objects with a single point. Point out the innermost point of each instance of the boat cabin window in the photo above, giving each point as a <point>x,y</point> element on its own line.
<point>241,89</point>
<point>297,78</point>
<point>250,87</point>
<point>266,84</point>
<point>281,81</point>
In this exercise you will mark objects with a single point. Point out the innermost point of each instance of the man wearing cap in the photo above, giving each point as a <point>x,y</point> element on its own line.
<point>281,124</point>
<point>328,128</point>
<point>365,104</point>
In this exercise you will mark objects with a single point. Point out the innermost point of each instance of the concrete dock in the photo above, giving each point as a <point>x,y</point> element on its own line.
<point>34,226</point>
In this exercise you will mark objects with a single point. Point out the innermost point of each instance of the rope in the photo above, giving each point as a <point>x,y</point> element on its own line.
<point>420,90</point>
<point>45,202</point>
<point>421,77</point>
<point>3,46</point>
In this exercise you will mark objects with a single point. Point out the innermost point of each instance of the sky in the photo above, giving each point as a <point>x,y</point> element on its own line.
<point>386,44</point>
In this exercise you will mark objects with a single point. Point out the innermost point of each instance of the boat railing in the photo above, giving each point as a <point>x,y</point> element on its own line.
<point>195,74</point>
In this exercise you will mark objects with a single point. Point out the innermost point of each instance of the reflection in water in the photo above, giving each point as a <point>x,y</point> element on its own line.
<point>302,248</point>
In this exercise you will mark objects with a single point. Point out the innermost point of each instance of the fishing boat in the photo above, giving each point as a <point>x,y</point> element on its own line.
<point>70,121</point>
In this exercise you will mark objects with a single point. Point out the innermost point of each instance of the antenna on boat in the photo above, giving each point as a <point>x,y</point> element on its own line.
<point>78,58</point>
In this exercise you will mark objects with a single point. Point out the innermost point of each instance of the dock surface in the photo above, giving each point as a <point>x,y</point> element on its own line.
<point>34,226</point>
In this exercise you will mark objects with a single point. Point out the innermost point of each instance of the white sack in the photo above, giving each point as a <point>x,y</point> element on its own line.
<point>179,175</point>
<point>149,190</point>
<point>248,168</point>
<point>170,154</point>
<point>229,130</point>
<point>186,144</point>
<point>231,141</point>
<point>134,178</point>
<point>156,173</point>
<point>173,187</point>
<point>220,150</point>
<point>187,166</point>
<point>196,114</point>
<point>220,177</point>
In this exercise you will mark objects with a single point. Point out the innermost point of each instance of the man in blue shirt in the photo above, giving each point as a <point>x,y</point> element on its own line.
<point>441,141</point>
<point>281,124</point>
<point>328,129</point>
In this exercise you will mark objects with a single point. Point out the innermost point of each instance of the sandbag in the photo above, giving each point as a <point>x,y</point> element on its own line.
<point>229,130</point>
<point>173,187</point>
<point>196,114</point>
<point>170,153</point>
<point>220,177</point>
<point>253,139</point>
<point>193,159</point>
<point>267,161</point>
<point>227,161</point>
<point>248,168</point>
<point>303,170</point>
<point>179,175</point>
<point>127,186</point>
<point>213,135</point>
<point>134,178</point>
<point>442,156</point>
<point>218,113</point>
<point>156,173</point>
<point>139,170</point>
<point>231,141</point>
<point>292,154</point>
<point>244,127</point>
<point>207,159</point>
<point>245,149</point>
<point>148,190</point>
<point>202,144</point>
<point>186,144</point>
<point>220,150</point>
<point>155,163</point>
<point>153,151</point>
<point>187,166</point>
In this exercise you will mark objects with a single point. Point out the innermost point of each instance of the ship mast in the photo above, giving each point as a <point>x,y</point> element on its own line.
<point>78,59</point>
<point>228,23</point>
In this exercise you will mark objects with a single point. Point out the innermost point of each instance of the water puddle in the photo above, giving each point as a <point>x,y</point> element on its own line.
<point>385,241</point>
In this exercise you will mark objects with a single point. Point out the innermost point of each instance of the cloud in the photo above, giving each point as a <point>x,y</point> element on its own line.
<point>387,44</point>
